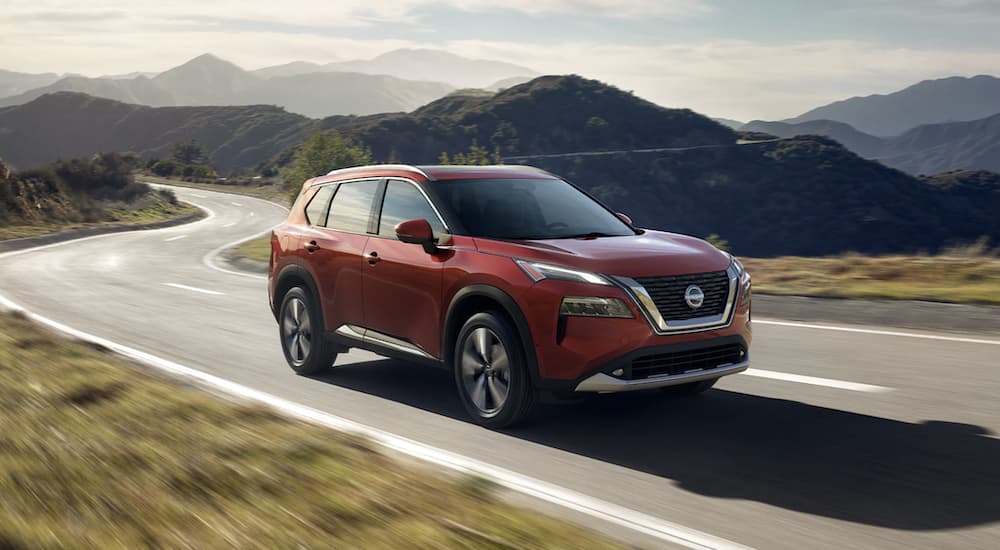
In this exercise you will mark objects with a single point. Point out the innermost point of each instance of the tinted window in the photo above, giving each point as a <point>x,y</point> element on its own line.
<point>317,208</point>
<point>351,206</point>
<point>528,209</point>
<point>404,202</point>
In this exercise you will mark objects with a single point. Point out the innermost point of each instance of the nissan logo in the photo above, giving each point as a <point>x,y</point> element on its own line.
<point>694,296</point>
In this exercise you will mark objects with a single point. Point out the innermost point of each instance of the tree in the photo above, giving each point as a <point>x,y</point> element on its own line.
<point>320,153</point>
<point>477,155</point>
<point>190,152</point>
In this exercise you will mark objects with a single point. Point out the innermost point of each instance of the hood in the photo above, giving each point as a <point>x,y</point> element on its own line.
<point>654,253</point>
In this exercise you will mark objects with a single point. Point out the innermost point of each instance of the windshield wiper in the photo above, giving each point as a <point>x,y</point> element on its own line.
<point>591,235</point>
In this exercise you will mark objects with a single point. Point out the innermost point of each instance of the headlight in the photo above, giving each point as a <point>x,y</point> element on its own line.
<point>539,271</point>
<point>740,270</point>
<point>593,306</point>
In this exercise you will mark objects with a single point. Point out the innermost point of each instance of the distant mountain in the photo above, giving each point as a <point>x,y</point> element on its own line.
<point>550,114</point>
<point>435,65</point>
<point>938,148</point>
<point>208,80</point>
<point>734,124</point>
<point>13,83</point>
<point>289,69</point>
<point>128,76</point>
<point>859,142</point>
<point>928,102</point>
<point>68,124</point>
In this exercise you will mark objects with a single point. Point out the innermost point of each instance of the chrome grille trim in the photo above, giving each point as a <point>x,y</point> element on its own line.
<point>647,306</point>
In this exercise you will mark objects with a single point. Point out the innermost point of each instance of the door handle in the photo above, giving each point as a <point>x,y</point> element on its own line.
<point>311,246</point>
<point>373,258</point>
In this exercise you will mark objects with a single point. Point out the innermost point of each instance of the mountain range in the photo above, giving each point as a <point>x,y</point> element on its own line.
<point>954,99</point>
<point>927,149</point>
<point>400,80</point>
<point>804,195</point>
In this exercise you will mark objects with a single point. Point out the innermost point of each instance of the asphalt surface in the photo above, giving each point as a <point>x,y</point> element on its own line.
<point>908,458</point>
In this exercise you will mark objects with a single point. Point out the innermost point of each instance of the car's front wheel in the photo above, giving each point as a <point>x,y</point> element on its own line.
<point>300,325</point>
<point>491,371</point>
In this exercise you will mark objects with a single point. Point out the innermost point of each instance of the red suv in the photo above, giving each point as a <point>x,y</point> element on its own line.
<point>510,277</point>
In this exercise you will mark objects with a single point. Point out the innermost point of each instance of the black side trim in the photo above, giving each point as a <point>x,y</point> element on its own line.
<point>451,324</point>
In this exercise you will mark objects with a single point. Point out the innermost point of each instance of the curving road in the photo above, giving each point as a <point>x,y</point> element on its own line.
<point>835,439</point>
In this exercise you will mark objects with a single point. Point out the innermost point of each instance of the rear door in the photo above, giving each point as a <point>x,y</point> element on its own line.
<point>403,283</point>
<point>335,246</point>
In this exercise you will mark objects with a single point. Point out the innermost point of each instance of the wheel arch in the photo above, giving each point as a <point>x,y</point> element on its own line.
<point>290,277</point>
<point>476,298</point>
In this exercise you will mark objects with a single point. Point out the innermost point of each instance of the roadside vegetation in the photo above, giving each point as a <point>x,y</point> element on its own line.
<point>258,250</point>
<point>968,274</point>
<point>97,453</point>
<point>77,193</point>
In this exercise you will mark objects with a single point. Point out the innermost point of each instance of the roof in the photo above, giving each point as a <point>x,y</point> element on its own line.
<point>434,173</point>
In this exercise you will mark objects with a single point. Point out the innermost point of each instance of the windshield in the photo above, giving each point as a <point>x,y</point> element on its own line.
<point>522,209</point>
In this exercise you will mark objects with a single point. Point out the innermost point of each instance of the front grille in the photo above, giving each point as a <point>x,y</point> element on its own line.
<point>679,362</point>
<point>668,294</point>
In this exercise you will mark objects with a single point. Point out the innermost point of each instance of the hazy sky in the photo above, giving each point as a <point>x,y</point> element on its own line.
<point>734,58</point>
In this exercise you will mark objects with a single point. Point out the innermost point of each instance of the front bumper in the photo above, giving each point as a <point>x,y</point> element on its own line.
<point>604,383</point>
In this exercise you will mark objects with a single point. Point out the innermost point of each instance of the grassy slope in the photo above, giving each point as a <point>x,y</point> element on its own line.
<point>96,453</point>
<point>258,250</point>
<point>157,209</point>
<point>960,279</point>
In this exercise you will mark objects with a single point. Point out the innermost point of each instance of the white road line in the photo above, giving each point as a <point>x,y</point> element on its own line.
<point>193,289</point>
<point>878,332</point>
<point>229,224</point>
<point>603,510</point>
<point>812,380</point>
<point>177,238</point>
<point>197,195</point>
<point>236,204</point>
<point>251,213</point>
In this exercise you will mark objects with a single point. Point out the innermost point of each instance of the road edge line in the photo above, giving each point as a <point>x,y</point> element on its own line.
<point>554,494</point>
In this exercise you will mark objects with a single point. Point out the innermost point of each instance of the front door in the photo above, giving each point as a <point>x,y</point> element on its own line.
<point>402,285</point>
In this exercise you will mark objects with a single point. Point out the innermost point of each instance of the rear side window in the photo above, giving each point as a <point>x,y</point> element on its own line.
<point>318,207</point>
<point>352,206</point>
<point>404,202</point>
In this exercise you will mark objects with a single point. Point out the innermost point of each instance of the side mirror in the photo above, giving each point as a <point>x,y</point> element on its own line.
<point>417,232</point>
<point>624,218</point>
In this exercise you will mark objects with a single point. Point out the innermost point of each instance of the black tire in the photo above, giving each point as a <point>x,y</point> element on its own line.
<point>480,380</point>
<point>692,388</point>
<point>303,338</point>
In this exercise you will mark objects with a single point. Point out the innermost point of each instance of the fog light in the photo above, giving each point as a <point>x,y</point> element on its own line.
<point>587,306</point>
<point>618,372</point>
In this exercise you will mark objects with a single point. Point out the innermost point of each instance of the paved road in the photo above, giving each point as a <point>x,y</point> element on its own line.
<point>907,458</point>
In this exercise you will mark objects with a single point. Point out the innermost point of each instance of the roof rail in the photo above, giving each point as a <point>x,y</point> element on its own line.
<point>401,167</point>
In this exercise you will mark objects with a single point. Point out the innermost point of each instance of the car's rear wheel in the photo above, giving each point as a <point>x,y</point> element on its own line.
<point>491,371</point>
<point>691,388</point>
<point>307,350</point>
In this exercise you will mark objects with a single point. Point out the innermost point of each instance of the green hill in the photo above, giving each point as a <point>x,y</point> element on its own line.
<point>68,124</point>
<point>803,196</point>
<point>550,114</point>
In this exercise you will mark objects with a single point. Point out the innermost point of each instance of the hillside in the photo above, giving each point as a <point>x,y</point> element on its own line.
<point>861,143</point>
<point>928,149</point>
<point>208,80</point>
<point>938,148</point>
<point>78,193</point>
<point>928,102</point>
<point>805,196</point>
<point>66,124</point>
<point>550,114</point>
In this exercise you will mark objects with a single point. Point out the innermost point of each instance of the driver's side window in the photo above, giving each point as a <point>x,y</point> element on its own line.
<point>402,202</point>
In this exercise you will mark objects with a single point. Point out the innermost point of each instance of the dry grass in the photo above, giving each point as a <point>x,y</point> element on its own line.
<point>156,209</point>
<point>968,275</point>
<point>96,453</point>
<point>258,249</point>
